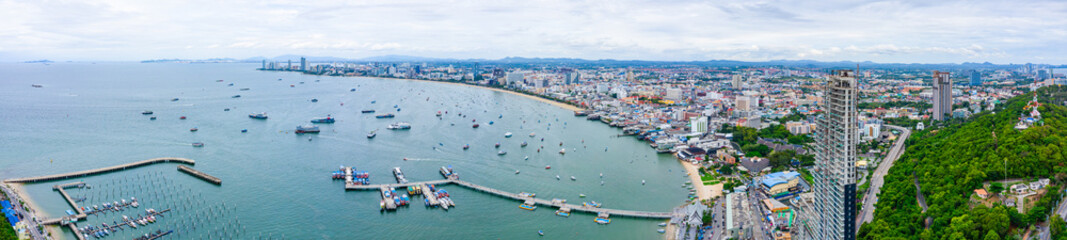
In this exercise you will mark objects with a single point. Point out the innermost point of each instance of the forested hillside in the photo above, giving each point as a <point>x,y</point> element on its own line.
<point>951,162</point>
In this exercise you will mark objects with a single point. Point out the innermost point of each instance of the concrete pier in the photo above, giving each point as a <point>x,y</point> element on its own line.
<point>200,175</point>
<point>102,170</point>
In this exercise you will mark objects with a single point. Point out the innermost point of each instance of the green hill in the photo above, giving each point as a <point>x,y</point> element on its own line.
<point>951,162</point>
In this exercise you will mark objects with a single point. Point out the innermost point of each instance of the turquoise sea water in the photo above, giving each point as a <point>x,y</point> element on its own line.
<point>277,184</point>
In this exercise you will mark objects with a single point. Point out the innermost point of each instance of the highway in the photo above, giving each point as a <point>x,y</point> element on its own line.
<point>878,179</point>
<point>29,218</point>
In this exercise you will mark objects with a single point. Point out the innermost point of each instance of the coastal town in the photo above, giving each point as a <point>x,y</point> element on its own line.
<point>745,134</point>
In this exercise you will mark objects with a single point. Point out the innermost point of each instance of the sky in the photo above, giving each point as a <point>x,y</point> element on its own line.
<point>942,31</point>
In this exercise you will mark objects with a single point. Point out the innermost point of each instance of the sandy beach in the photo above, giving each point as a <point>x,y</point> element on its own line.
<point>27,201</point>
<point>544,100</point>
<point>703,192</point>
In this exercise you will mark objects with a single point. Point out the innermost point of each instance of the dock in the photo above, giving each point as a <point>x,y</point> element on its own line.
<point>515,196</point>
<point>200,175</point>
<point>102,170</point>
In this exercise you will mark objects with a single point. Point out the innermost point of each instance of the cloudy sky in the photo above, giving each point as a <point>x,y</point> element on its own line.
<point>939,31</point>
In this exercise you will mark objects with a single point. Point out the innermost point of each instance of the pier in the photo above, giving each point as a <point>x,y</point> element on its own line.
<point>515,196</point>
<point>101,170</point>
<point>200,175</point>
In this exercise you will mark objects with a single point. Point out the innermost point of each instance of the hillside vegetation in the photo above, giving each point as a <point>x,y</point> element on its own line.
<point>951,162</point>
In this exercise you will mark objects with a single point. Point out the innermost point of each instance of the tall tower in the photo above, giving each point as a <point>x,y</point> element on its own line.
<point>737,81</point>
<point>834,209</point>
<point>942,95</point>
<point>303,64</point>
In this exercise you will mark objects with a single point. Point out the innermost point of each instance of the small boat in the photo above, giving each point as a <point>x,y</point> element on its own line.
<point>226,110</point>
<point>174,100</point>
<point>557,177</point>
<point>661,230</point>
<point>367,111</point>
<point>244,130</point>
<point>527,207</point>
<point>314,100</point>
<point>352,90</point>
<point>497,145</point>
<point>523,144</point>
<point>601,175</point>
<point>244,89</point>
<point>563,151</point>
<point>373,102</point>
<point>501,116</point>
<point>516,171</point>
<point>438,113</point>
<point>507,134</point>
<point>229,85</point>
<point>642,182</point>
<point>147,112</point>
<point>198,144</point>
<point>662,224</point>
<point>490,122</point>
<point>573,178</point>
<point>581,195</point>
<point>220,80</point>
<point>387,115</point>
<point>548,167</point>
<point>466,146</point>
<point>262,115</point>
<point>182,118</point>
<point>533,134</point>
<point>152,118</point>
<point>501,152</point>
<point>236,96</point>
<point>307,129</point>
<point>36,85</point>
<point>526,194</point>
<point>193,129</point>
<point>526,158</point>
<point>399,126</point>
<point>372,134</point>
<point>475,125</point>
<point>328,119</point>
<point>539,232</point>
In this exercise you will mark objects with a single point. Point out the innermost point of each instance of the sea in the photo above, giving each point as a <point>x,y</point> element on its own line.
<point>277,184</point>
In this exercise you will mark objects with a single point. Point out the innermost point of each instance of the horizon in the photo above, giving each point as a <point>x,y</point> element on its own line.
<point>999,32</point>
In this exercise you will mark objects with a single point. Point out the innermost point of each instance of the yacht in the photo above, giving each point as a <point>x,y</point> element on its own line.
<point>399,126</point>
<point>307,129</point>
<point>262,115</point>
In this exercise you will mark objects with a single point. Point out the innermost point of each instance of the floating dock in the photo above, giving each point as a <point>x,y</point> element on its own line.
<point>200,175</point>
<point>101,170</point>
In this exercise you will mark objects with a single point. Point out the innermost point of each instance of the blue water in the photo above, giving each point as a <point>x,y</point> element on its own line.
<point>276,183</point>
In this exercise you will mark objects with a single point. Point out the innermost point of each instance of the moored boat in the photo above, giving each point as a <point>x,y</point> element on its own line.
<point>328,119</point>
<point>507,134</point>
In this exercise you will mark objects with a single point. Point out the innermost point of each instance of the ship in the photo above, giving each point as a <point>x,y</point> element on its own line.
<point>307,129</point>
<point>387,115</point>
<point>328,119</point>
<point>262,115</point>
<point>244,89</point>
<point>399,126</point>
<point>367,111</point>
<point>147,112</point>
<point>236,96</point>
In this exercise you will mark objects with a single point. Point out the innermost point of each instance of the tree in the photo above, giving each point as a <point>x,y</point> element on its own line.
<point>726,169</point>
<point>996,187</point>
<point>991,235</point>
<point>1057,228</point>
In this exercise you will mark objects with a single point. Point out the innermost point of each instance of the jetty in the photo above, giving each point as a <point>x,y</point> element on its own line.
<point>200,175</point>
<point>78,210</point>
<point>515,196</point>
<point>101,170</point>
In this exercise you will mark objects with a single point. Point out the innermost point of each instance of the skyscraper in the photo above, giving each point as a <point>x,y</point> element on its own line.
<point>942,95</point>
<point>737,81</point>
<point>833,212</point>
<point>303,64</point>
<point>976,78</point>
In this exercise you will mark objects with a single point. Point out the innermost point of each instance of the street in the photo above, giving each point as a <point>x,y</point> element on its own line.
<point>28,217</point>
<point>867,213</point>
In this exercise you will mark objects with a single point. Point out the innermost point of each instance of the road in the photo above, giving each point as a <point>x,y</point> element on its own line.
<point>878,179</point>
<point>28,217</point>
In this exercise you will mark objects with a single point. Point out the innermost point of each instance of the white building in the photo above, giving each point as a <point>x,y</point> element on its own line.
<point>698,124</point>
<point>514,78</point>
<point>673,94</point>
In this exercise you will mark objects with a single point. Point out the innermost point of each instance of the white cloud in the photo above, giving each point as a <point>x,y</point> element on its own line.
<point>883,31</point>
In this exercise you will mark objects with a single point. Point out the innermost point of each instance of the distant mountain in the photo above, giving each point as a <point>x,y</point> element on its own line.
<point>40,61</point>
<point>176,60</point>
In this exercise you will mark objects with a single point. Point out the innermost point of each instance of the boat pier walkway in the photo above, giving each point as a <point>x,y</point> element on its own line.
<point>102,170</point>
<point>200,175</point>
<point>78,210</point>
<point>515,196</point>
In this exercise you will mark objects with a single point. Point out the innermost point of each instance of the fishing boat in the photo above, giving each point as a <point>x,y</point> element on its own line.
<point>146,112</point>
<point>307,129</point>
<point>475,125</point>
<point>399,126</point>
<point>387,115</point>
<point>367,111</point>
<point>328,119</point>
<point>236,96</point>
<point>193,129</point>
<point>372,134</point>
<point>523,144</point>
<point>501,152</point>
<point>262,115</point>
<point>198,144</point>
<point>507,134</point>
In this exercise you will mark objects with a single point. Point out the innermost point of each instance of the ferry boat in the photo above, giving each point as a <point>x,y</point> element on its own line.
<point>146,112</point>
<point>262,115</point>
<point>328,119</point>
<point>367,111</point>
<point>307,129</point>
<point>399,126</point>
<point>198,144</point>
<point>507,134</point>
<point>387,115</point>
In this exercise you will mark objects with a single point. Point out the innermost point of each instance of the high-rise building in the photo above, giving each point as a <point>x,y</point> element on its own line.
<point>264,63</point>
<point>942,95</point>
<point>303,64</point>
<point>514,78</point>
<point>737,81</point>
<point>976,78</point>
<point>833,211</point>
<point>698,124</point>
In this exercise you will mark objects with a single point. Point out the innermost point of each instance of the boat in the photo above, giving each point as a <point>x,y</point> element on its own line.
<point>244,130</point>
<point>602,218</point>
<point>563,151</point>
<point>399,126</point>
<point>497,145</point>
<point>36,85</point>
<point>352,90</point>
<point>438,113</point>
<point>146,112</point>
<point>557,177</point>
<point>573,178</point>
<point>475,125</point>
<point>328,119</point>
<point>373,102</point>
<point>523,144</point>
<point>236,96</point>
<point>314,100</point>
<point>539,232</point>
<point>244,89</point>
<point>533,134</point>
<point>661,230</point>
<point>367,111</point>
<point>528,205</point>
<point>591,204</point>
<point>581,195</point>
<point>152,118</point>
<point>307,129</point>
<point>387,115</point>
<point>372,134</point>
<point>193,129</point>
<point>182,118</point>
<point>507,134</point>
<point>466,146</point>
<point>642,182</point>
<point>526,158</point>
<point>526,194</point>
<point>174,100</point>
<point>501,152</point>
<point>262,115</point>
<point>662,224</point>
<point>198,144</point>
<point>516,171</point>
<point>226,110</point>
<point>490,122</point>
<point>548,167</point>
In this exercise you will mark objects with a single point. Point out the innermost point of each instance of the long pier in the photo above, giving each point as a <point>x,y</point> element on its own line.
<point>102,170</point>
<point>515,196</point>
<point>200,175</point>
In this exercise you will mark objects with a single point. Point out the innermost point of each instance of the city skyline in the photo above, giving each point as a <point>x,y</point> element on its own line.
<point>904,32</point>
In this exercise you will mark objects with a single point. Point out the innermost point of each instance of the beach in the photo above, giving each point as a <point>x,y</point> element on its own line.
<point>703,192</point>
<point>27,201</point>
<point>540,99</point>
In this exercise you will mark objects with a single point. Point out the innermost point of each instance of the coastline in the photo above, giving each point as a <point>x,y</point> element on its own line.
<point>537,98</point>
<point>27,201</point>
